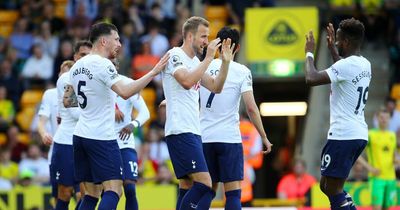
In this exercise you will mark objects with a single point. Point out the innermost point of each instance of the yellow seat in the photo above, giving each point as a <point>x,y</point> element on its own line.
<point>216,12</point>
<point>215,26</point>
<point>59,10</point>
<point>3,139</point>
<point>24,138</point>
<point>31,98</point>
<point>24,117</point>
<point>6,29</point>
<point>395,92</point>
<point>8,16</point>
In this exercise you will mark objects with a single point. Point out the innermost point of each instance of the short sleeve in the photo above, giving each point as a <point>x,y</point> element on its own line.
<point>175,62</point>
<point>45,106</point>
<point>247,83</point>
<point>336,72</point>
<point>109,75</point>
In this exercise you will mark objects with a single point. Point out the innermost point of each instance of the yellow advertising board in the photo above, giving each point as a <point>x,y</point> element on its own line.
<point>162,197</point>
<point>359,191</point>
<point>279,33</point>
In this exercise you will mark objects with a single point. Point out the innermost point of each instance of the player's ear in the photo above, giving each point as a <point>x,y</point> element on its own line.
<point>237,48</point>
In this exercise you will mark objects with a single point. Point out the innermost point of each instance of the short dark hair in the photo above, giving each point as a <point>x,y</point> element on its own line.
<point>353,30</point>
<point>227,32</point>
<point>100,29</point>
<point>81,43</point>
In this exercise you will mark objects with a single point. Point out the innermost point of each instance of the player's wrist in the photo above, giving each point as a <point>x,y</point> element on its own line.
<point>310,54</point>
<point>135,123</point>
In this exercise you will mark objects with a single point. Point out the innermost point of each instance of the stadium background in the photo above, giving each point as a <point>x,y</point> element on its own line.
<point>272,46</point>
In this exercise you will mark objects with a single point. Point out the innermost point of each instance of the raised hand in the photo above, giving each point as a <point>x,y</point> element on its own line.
<point>310,42</point>
<point>330,40</point>
<point>330,37</point>
<point>227,53</point>
<point>161,64</point>
<point>212,48</point>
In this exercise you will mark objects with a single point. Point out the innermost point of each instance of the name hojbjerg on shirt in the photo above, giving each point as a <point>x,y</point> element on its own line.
<point>84,71</point>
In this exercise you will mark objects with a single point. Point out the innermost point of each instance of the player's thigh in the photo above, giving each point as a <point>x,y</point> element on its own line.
<point>130,164</point>
<point>186,152</point>
<point>377,187</point>
<point>338,157</point>
<point>390,198</point>
<point>105,160</point>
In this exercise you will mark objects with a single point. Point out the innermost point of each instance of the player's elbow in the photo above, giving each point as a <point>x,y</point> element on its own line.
<point>217,90</point>
<point>251,110</point>
<point>186,85</point>
<point>125,96</point>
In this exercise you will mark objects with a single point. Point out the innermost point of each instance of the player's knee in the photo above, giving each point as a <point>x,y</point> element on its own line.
<point>130,190</point>
<point>64,192</point>
<point>185,184</point>
<point>78,196</point>
<point>206,180</point>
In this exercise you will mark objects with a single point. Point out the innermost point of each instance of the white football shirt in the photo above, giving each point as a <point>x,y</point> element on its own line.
<point>126,107</point>
<point>49,109</point>
<point>182,105</point>
<point>219,113</point>
<point>69,116</point>
<point>350,78</point>
<point>92,77</point>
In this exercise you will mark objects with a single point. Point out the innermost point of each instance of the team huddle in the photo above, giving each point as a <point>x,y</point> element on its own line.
<point>98,159</point>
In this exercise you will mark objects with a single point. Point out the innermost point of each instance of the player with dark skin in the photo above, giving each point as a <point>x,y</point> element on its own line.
<point>341,46</point>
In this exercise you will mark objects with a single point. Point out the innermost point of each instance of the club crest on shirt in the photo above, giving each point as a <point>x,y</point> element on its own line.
<point>111,70</point>
<point>336,72</point>
<point>249,80</point>
<point>176,61</point>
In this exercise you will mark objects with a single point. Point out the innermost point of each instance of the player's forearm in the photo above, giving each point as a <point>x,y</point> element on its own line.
<point>41,125</point>
<point>69,98</point>
<point>130,89</point>
<point>143,112</point>
<point>255,118</point>
<point>192,78</point>
<point>311,72</point>
<point>219,80</point>
<point>334,54</point>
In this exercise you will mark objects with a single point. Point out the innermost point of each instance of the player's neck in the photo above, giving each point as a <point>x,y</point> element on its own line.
<point>99,51</point>
<point>188,50</point>
<point>355,52</point>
